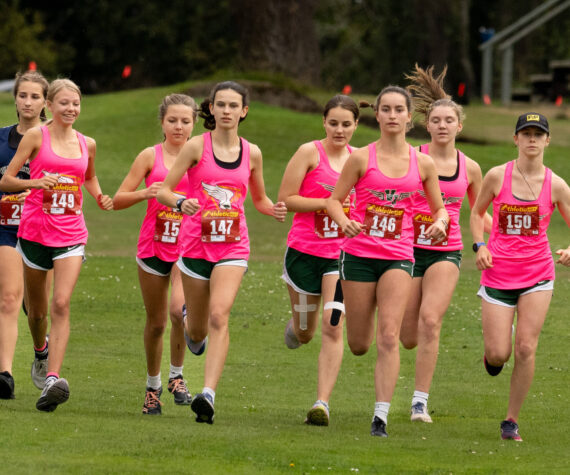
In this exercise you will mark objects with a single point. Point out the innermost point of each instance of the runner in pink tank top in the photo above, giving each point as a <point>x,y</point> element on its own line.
<point>436,267</point>
<point>214,241</point>
<point>376,260</point>
<point>158,249</point>
<point>52,229</point>
<point>517,264</point>
<point>310,268</point>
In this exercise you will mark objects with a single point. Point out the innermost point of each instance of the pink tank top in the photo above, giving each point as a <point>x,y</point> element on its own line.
<point>383,205</point>
<point>160,228</point>
<point>218,230</point>
<point>453,191</point>
<point>518,242</point>
<point>315,233</point>
<point>54,217</point>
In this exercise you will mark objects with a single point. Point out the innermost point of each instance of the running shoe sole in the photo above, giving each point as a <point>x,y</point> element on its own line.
<point>317,416</point>
<point>203,408</point>
<point>57,394</point>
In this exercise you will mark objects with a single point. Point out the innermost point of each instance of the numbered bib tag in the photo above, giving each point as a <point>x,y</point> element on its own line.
<point>10,210</point>
<point>63,198</point>
<point>167,226</point>
<point>220,226</point>
<point>519,220</point>
<point>421,223</point>
<point>383,221</point>
<point>326,227</point>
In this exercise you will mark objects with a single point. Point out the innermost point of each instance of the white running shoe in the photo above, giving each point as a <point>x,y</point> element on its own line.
<point>290,338</point>
<point>39,372</point>
<point>419,413</point>
<point>55,392</point>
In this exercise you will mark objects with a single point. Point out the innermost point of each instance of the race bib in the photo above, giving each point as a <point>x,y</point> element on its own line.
<point>421,224</point>
<point>64,198</point>
<point>383,221</point>
<point>326,227</point>
<point>10,210</point>
<point>220,226</point>
<point>519,220</point>
<point>167,226</point>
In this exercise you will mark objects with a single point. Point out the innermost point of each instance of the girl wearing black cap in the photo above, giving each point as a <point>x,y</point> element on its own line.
<point>517,264</point>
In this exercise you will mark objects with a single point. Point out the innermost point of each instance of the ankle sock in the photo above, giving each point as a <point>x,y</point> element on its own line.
<point>153,382</point>
<point>381,410</point>
<point>420,396</point>
<point>175,371</point>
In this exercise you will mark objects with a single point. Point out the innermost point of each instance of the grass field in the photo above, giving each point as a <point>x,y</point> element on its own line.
<point>266,389</point>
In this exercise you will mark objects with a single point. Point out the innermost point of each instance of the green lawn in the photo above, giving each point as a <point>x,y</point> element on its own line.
<point>266,389</point>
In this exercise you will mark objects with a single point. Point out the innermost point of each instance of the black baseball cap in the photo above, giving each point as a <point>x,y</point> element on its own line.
<point>532,119</point>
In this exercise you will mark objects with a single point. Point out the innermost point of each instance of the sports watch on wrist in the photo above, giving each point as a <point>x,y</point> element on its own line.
<point>179,204</point>
<point>477,245</point>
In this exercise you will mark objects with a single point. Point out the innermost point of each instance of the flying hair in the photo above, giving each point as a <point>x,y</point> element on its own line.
<point>428,92</point>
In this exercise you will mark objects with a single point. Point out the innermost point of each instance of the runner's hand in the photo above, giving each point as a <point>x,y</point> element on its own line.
<point>105,202</point>
<point>279,211</point>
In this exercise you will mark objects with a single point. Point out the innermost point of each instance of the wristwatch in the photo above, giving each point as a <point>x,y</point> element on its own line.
<point>179,204</point>
<point>477,245</point>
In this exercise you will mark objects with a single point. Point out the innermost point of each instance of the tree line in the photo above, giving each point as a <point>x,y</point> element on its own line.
<point>107,45</point>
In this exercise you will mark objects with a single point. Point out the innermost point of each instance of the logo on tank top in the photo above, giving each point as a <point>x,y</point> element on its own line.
<point>391,195</point>
<point>447,200</point>
<point>330,188</point>
<point>222,196</point>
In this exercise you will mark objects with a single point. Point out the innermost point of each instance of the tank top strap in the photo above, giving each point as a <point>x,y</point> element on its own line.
<point>462,165</point>
<point>414,169</point>
<point>545,195</point>
<point>83,144</point>
<point>207,151</point>
<point>372,161</point>
<point>508,178</point>
<point>322,154</point>
<point>245,150</point>
<point>424,148</point>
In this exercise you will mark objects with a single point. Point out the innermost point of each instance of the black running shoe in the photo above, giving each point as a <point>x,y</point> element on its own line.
<point>177,386</point>
<point>492,370</point>
<point>510,431</point>
<point>55,392</point>
<point>203,406</point>
<point>152,404</point>
<point>378,427</point>
<point>6,385</point>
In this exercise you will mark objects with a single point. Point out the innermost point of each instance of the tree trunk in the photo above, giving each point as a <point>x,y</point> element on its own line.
<point>278,36</point>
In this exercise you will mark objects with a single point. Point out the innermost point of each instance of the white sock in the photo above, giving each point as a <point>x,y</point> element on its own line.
<point>320,401</point>
<point>153,382</point>
<point>420,396</point>
<point>381,410</point>
<point>209,391</point>
<point>175,371</point>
